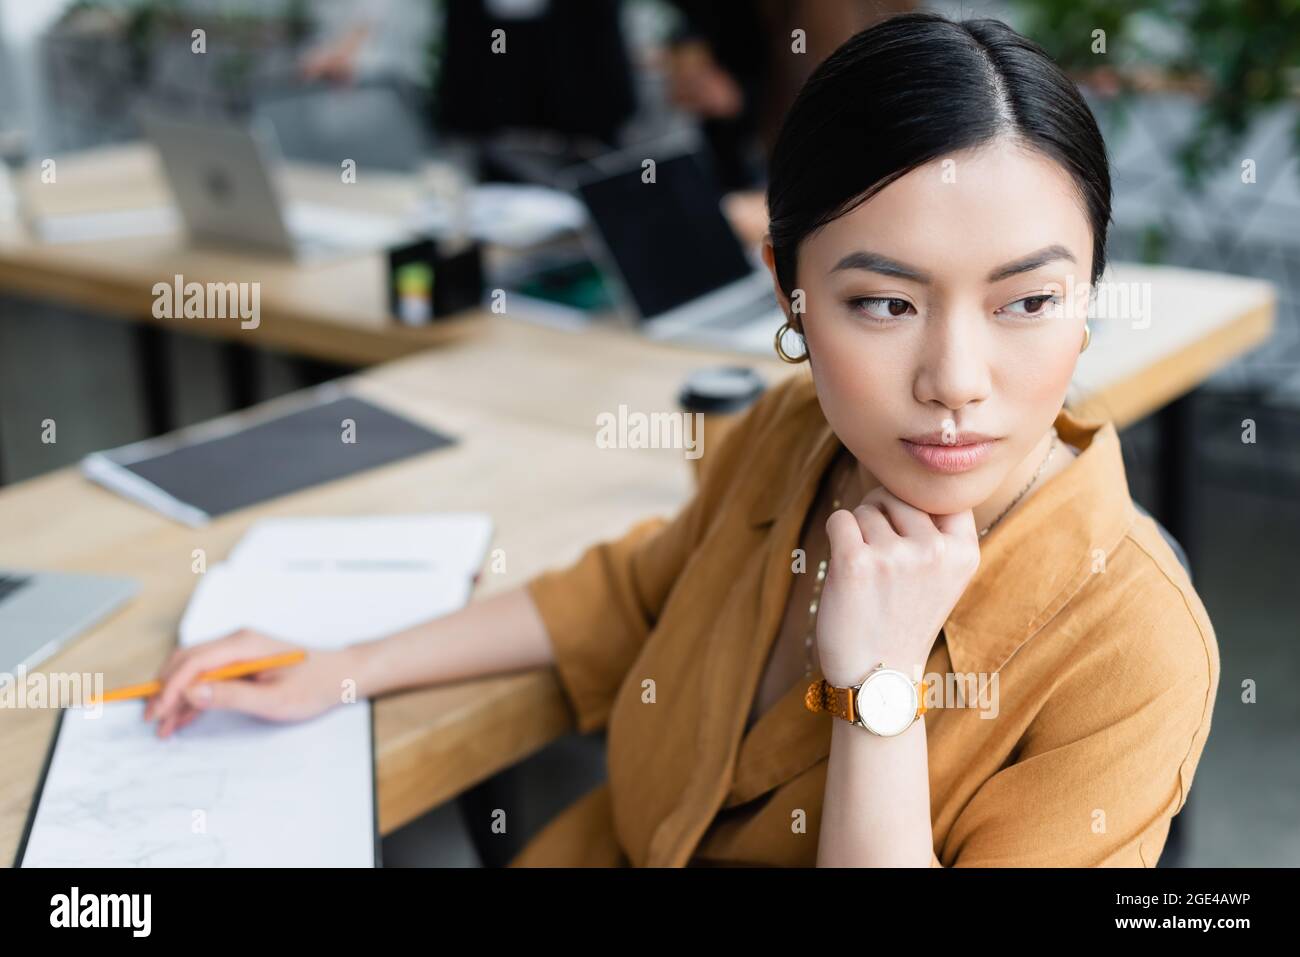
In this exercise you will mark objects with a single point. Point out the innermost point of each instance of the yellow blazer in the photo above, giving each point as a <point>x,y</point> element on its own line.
<point>1077,673</point>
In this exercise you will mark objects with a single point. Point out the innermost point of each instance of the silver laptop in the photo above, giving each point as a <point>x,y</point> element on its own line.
<point>223,178</point>
<point>41,611</point>
<point>679,270</point>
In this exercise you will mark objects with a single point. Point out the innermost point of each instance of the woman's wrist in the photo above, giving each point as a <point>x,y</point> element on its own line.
<point>851,672</point>
<point>362,664</point>
<point>410,658</point>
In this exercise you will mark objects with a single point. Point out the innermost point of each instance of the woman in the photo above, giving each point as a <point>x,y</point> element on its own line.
<point>939,196</point>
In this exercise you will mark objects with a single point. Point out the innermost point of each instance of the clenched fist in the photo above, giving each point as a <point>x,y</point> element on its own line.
<point>895,573</point>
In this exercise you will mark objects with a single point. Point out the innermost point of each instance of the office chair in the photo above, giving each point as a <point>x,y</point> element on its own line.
<point>1175,850</point>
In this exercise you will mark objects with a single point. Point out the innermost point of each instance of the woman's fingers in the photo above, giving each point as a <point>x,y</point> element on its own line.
<point>908,520</point>
<point>844,533</point>
<point>880,517</point>
<point>174,661</point>
<point>177,719</point>
<point>874,525</point>
<point>961,524</point>
<point>241,645</point>
<point>251,697</point>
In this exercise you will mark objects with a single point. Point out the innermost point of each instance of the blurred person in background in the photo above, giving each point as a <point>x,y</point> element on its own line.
<point>564,67</point>
<point>735,67</point>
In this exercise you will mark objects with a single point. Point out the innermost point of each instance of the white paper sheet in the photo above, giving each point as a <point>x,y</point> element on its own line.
<point>107,224</point>
<point>317,609</point>
<point>446,541</point>
<point>334,581</point>
<point>507,214</point>
<point>226,791</point>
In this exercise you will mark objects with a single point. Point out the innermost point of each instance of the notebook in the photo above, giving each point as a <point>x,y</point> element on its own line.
<point>335,581</point>
<point>207,470</point>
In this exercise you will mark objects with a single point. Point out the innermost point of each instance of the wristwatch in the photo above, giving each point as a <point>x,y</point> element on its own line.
<point>885,702</point>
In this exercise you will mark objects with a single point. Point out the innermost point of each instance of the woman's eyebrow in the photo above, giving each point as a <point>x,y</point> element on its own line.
<point>1031,262</point>
<point>875,262</point>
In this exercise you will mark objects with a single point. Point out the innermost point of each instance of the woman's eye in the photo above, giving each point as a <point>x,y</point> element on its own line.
<point>1035,306</point>
<point>881,307</point>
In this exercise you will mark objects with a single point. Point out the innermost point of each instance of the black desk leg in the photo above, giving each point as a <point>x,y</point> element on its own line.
<point>314,372</point>
<point>240,364</point>
<point>1176,423</point>
<point>155,377</point>
<point>477,806</point>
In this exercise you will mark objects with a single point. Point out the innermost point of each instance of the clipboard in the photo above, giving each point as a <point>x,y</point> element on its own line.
<point>43,778</point>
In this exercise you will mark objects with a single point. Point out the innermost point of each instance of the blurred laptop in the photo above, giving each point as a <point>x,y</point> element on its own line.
<point>680,271</point>
<point>223,178</point>
<point>40,612</point>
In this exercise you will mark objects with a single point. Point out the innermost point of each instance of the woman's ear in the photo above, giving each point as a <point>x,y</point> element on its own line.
<point>769,260</point>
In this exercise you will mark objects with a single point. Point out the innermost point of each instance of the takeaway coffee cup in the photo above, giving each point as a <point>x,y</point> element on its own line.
<point>715,398</point>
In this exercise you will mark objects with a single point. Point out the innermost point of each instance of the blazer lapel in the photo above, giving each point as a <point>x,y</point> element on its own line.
<point>785,741</point>
<point>734,659</point>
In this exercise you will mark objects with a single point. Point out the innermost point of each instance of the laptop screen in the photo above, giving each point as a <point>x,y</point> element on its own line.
<point>669,239</point>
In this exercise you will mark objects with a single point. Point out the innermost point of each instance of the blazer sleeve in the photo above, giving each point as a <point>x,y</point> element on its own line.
<point>1107,762</point>
<point>599,610</point>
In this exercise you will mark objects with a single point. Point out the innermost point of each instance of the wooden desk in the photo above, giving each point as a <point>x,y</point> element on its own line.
<point>336,310</point>
<point>1199,323</point>
<point>549,488</point>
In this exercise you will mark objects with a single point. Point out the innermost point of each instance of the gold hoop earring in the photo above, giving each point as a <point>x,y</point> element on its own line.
<point>1087,337</point>
<point>780,345</point>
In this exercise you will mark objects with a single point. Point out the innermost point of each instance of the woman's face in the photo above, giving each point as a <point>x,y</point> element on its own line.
<point>952,301</point>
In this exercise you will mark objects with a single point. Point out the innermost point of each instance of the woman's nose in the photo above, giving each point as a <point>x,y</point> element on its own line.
<point>953,367</point>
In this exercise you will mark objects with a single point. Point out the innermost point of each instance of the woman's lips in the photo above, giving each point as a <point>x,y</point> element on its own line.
<point>949,459</point>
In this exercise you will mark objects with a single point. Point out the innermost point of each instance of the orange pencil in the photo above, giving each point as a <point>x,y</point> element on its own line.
<point>239,669</point>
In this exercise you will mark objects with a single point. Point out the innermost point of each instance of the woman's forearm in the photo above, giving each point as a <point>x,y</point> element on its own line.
<point>498,634</point>
<point>876,810</point>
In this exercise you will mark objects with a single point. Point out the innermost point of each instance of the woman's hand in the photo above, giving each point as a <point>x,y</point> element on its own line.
<point>336,61</point>
<point>894,575</point>
<point>292,693</point>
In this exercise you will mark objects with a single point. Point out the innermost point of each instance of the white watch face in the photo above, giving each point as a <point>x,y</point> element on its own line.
<point>886,703</point>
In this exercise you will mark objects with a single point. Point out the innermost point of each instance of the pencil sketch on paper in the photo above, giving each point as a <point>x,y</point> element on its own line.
<point>228,790</point>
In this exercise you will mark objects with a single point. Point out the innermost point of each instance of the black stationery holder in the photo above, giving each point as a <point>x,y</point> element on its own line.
<point>429,279</point>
